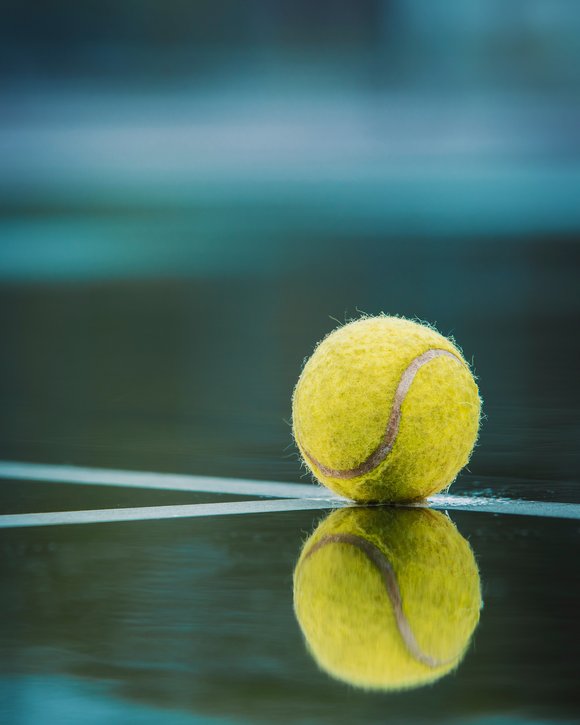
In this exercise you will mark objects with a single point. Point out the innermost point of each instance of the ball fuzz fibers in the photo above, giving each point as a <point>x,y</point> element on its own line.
<point>387,599</point>
<point>386,409</point>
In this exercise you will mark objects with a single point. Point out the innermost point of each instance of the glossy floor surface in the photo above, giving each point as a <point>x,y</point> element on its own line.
<point>169,255</point>
<point>193,620</point>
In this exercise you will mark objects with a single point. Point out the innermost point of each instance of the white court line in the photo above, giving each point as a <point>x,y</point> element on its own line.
<point>157,513</point>
<point>160,481</point>
<point>181,511</point>
<point>509,506</point>
<point>298,497</point>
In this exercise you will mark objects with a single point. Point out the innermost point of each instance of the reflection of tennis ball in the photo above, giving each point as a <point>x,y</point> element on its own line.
<point>387,599</point>
<point>386,410</point>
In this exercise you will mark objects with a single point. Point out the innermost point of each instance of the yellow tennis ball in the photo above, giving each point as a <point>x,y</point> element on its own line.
<point>387,599</point>
<point>386,409</point>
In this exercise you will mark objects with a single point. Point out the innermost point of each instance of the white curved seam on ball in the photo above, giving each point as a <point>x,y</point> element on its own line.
<point>388,441</point>
<point>376,556</point>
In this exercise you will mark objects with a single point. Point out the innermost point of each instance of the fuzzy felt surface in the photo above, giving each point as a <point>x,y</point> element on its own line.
<point>386,409</point>
<point>387,599</point>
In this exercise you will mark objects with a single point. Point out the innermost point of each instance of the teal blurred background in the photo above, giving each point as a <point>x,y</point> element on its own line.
<point>192,194</point>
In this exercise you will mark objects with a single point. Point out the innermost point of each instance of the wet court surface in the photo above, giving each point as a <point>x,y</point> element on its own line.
<point>192,195</point>
<point>192,620</point>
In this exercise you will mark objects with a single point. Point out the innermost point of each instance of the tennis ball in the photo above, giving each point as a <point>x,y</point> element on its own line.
<point>387,599</point>
<point>386,409</point>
